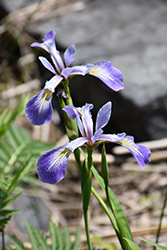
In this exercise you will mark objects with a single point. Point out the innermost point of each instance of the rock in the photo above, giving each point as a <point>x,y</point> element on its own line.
<point>133,36</point>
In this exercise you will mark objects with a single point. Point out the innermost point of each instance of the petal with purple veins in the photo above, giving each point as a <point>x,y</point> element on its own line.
<point>69,55</point>
<point>52,165</point>
<point>111,76</point>
<point>103,116</point>
<point>48,42</point>
<point>39,110</point>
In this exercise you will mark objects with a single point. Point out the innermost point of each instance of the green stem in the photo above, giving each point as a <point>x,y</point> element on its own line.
<point>70,125</point>
<point>87,230</point>
<point>3,240</point>
<point>104,206</point>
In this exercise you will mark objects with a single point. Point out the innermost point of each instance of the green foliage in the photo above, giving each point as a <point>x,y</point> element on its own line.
<point>6,118</point>
<point>60,239</point>
<point>122,226</point>
<point>18,156</point>
<point>132,245</point>
<point>155,245</point>
<point>105,245</point>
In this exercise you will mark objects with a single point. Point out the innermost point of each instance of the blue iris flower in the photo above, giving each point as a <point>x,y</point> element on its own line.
<point>52,165</point>
<point>39,108</point>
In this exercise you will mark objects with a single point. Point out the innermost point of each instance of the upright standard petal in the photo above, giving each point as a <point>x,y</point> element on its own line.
<point>103,115</point>
<point>74,113</point>
<point>111,76</point>
<point>87,120</point>
<point>69,55</point>
<point>141,153</point>
<point>47,64</point>
<point>48,41</point>
<point>52,165</point>
<point>39,110</point>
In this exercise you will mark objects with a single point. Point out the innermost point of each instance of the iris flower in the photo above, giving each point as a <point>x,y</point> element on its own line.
<point>39,108</point>
<point>52,165</point>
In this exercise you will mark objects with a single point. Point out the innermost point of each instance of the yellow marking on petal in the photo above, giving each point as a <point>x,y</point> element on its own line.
<point>126,143</point>
<point>47,94</point>
<point>94,71</point>
<point>65,152</point>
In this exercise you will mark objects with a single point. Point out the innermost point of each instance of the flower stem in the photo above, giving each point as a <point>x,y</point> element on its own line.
<point>87,230</point>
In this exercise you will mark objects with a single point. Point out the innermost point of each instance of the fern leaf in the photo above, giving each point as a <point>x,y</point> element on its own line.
<point>67,240</point>
<point>76,243</point>
<point>52,229</point>
<point>8,212</point>
<point>3,222</point>
<point>6,118</point>
<point>60,239</point>
<point>9,201</point>
<point>33,239</point>
<point>17,243</point>
<point>41,239</point>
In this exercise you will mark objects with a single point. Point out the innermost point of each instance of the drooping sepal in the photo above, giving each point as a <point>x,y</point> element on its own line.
<point>108,74</point>
<point>39,109</point>
<point>52,165</point>
<point>141,153</point>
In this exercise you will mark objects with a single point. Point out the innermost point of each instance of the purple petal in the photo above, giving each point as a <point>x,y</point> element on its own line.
<point>52,165</point>
<point>111,76</point>
<point>74,113</point>
<point>48,41</point>
<point>49,37</point>
<point>49,45</point>
<point>87,120</point>
<point>103,116</point>
<point>77,143</point>
<point>66,72</point>
<point>69,55</point>
<point>47,64</point>
<point>56,58</point>
<point>53,83</point>
<point>111,138</point>
<point>79,70</point>
<point>96,135</point>
<point>140,153</point>
<point>39,108</point>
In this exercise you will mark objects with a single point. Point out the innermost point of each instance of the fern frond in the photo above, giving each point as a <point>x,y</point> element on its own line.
<point>17,243</point>
<point>77,239</point>
<point>41,240</point>
<point>32,235</point>
<point>7,212</point>
<point>6,118</point>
